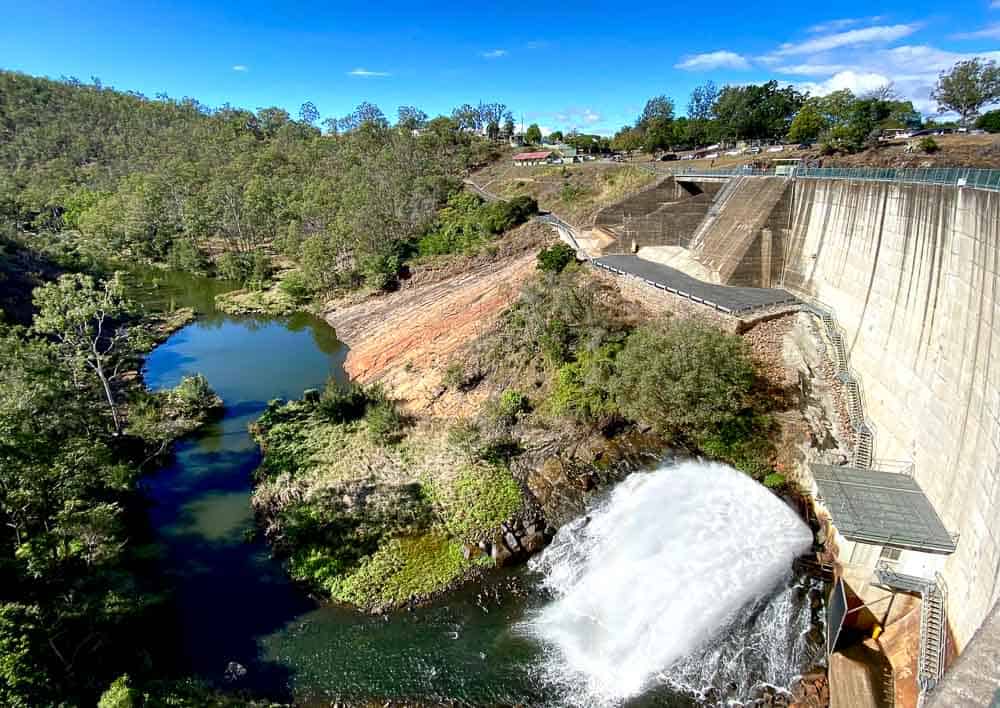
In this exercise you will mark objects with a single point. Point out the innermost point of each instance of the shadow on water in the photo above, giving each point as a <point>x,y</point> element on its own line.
<point>228,592</point>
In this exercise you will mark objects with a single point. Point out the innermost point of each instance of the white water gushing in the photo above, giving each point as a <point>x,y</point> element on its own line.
<point>675,579</point>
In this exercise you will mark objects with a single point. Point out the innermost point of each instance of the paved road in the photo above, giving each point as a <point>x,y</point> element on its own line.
<point>726,298</point>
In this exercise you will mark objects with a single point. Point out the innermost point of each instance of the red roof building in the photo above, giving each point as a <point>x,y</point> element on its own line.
<point>532,158</point>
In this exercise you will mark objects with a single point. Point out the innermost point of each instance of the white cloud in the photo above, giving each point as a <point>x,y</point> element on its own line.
<point>988,32</point>
<point>494,54</point>
<point>365,73</point>
<point>857,82</point>
<point>810,69</point>
<point>841,24</point>
<point>851,38</point>
<point>240,67</point>
<point>721,59</point>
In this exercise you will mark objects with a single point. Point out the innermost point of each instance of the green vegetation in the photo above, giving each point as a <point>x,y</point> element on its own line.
<point>533,134</point>
<point>928,145</point>
<point>368,514</point>
<point>693,384</point>
<point>555,258</point>
<point>79,605</point>
<point>467,222</point>
<point>97,173</point>
<point>967,87</point>
<point>989,121</point>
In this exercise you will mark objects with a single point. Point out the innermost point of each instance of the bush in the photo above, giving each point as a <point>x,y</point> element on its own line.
<point>687,379</point>
<point>119,695</point>
<point>382,415</point>
<point>928,145</point>
<point>555,258</point>
<point>511,405</point>
<point>467,222</point>
<point>454,376</point>
<point>989,121</point>
<point>185,255</point>
<point>583,388</point>
<point>251,269</point>
<point>194,395</point>
<point>342,403</point>
<point>295,286</point>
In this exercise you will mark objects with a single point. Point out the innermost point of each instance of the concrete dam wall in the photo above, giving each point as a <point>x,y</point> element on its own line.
<point>913,274</point>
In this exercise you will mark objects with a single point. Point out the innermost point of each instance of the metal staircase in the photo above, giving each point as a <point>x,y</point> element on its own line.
<point>933,622</point>
<point>864,432</point>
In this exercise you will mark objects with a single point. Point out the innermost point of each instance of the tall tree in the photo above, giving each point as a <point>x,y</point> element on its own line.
<point>533,134</point>
<point>658,109</point>
<point>702,103</point>
<point>308,113</point>
<point>366,114</point>
<point>84,318</point>
<point>411,118</point>
<point>967,88</point>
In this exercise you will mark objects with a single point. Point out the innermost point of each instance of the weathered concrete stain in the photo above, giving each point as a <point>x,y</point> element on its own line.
<point>913,273</point>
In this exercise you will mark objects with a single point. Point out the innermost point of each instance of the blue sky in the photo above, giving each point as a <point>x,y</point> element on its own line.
<point>563,65</point>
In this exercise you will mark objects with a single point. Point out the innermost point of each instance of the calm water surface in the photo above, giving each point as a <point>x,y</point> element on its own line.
<point>235,603</point>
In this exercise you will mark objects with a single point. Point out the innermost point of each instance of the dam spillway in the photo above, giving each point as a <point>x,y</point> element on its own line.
<point>680,577</point>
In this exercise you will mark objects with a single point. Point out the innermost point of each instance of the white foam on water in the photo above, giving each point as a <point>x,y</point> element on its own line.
<point>674,579</point>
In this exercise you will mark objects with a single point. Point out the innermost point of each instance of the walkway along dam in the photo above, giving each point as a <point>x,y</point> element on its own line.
<point>911,270</point>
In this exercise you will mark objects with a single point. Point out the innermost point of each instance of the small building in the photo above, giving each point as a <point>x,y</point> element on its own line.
<point>526,159</point>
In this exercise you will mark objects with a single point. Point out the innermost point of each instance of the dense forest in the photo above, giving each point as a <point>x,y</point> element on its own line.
<point>90,178</point>
<point>92,173</point>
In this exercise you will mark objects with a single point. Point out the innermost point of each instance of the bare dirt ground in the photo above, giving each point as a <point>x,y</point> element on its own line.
<point>574,192</point>
<point>406,339</point>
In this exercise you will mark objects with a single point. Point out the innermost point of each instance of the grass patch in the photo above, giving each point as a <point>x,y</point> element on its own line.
<point>401,569</point>
<point>477,500</point>
<point>273,301</point>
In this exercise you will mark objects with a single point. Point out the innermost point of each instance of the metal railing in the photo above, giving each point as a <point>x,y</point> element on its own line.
<point>957,176</point>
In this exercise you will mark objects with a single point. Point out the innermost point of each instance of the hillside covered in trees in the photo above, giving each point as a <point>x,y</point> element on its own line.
<point>89,172</point>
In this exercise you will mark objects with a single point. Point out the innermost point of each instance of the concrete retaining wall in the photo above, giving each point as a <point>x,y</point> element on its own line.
<point>663,214</point>
<point>913,274</point>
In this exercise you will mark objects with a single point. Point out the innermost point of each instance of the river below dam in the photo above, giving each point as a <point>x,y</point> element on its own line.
<point>518,636</point>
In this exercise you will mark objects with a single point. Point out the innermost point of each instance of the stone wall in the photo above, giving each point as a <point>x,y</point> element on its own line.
<point>913,274</point>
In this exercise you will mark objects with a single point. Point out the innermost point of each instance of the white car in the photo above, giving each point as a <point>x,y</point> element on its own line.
<point>776,148</point>
<point>711,156</point>
<point>734,152</point>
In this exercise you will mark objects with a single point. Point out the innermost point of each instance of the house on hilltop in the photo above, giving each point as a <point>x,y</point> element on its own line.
<point>526,159</point>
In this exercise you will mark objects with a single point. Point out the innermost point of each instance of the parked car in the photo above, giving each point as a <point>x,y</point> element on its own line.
<point>711,156</point>
<point>776,148</point>
<point>754,151</point>
<point>734,152</point>
<point>804,146</point>
<point>669,157</point>
<point>687,157</point>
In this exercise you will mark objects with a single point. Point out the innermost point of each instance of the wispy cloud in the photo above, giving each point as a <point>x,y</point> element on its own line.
<point>366,74</point>
<point>988,32</point>
<point>842,24</point>
<point>851,38</point>
<point>858,82</point>
<point>542,43</point>
<point>810,69</point>
<point>493,54</point>
<point>722,59</point>
<point>240,67</point>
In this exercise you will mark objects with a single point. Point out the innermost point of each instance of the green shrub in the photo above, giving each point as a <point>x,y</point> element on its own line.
<point>555,258</point>
<point>382,415</point>
<point>294,285</point>
<point>185,255</point>
<point>341,403</point>
<point>454,375</point>
<point>511,405</point>
<point>194,395</point>
<point>119,695</point>
<point>694,384</point>
<point>989,121</point>
<point>928,145</point>
<point>774,481</point>
<point>571,193</point>
<point>583,387</point>
<point>467,222</point>
<point>251,269</point>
